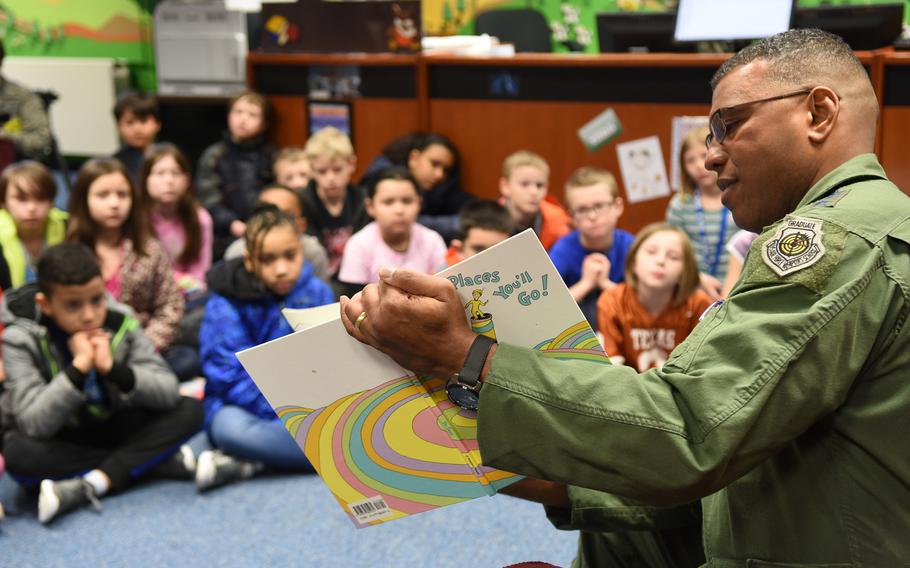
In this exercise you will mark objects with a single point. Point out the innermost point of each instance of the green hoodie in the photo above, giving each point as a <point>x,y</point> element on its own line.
<point>13,251</point>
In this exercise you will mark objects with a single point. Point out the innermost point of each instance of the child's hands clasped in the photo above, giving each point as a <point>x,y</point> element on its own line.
<point>80,345</point>
<point>103,358</point>
<point>595,270</point>
<point>91,350</point>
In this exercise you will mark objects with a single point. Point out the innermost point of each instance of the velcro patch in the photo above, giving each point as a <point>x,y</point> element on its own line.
<point>797,244</point>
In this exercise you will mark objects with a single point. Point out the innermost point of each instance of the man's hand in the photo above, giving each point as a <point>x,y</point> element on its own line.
<point>416,319</point>
<point>103,357</point>
<point>83,351</point>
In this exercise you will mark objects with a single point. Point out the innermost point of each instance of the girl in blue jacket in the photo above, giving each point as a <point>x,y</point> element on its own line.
<point>244,310</point>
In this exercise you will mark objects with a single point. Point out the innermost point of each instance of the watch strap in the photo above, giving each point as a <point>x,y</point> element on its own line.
<point>474,362</point>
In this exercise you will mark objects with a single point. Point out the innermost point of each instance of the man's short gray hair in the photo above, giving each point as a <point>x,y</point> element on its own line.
<point>797,57</point>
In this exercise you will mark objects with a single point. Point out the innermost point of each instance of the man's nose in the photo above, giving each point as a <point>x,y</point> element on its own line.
<point>715,158</point>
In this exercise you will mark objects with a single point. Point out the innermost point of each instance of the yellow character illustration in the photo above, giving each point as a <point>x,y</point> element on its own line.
<point>475,305</point>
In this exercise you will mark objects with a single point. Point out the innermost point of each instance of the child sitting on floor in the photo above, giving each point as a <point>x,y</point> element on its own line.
<point>244,310</point>
<point>523,185</point>
<point>29,222</point>
<point>483,223</point>
<point>87,405</point>
<point>395,238</point>
<point>646,317</point>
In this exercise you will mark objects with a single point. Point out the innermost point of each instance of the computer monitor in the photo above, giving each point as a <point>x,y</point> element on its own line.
<point>638,32</point>
<point>862,27</point>
<point>731,20</point>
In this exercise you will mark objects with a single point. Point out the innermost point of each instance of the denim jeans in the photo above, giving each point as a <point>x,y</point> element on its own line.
<point>246,436</point>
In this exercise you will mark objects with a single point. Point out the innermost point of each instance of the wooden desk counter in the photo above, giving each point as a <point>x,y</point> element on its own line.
<point>492,106</point>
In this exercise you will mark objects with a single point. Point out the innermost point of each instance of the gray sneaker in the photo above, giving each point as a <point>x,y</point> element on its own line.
<point>58,497</point>
<point>215,468</point>
<point>180,465</point>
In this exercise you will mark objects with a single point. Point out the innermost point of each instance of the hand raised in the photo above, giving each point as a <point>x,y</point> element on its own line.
<point>416,319</point>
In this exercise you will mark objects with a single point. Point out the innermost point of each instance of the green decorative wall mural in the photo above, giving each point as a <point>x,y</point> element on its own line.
<point>572,23</point>
<point>120,29</point>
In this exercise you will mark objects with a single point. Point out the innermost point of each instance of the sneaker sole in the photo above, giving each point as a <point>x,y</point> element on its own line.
<point>48,502</point>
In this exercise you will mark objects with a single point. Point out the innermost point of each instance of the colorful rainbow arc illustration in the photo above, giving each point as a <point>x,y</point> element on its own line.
<point>405,441</point>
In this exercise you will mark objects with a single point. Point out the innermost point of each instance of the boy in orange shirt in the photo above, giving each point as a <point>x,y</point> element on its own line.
<point>523,185</point>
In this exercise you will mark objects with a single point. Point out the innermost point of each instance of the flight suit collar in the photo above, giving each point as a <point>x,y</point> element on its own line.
<point>864,165</point>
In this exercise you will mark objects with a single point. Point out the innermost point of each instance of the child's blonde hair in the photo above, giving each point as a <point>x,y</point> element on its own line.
<point>588,176</point>
<point>291,154</point>
<point>695,136</point>
<point>524,158</point>
<point>688,280</point>
<point>329,142</point>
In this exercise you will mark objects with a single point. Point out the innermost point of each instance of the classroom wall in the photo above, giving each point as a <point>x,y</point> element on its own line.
<point>575,17</point>
<point>123,28</point>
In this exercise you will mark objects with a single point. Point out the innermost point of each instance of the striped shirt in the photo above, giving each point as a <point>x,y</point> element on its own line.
<point>682,213</point>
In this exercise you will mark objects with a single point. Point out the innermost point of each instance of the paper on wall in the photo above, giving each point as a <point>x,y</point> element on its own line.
<point>641,163</point>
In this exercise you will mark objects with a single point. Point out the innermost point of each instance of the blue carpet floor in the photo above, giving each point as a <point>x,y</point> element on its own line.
<point>271,521</point>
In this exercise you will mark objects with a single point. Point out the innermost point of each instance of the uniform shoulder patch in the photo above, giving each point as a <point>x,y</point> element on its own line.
<point>797,244</point>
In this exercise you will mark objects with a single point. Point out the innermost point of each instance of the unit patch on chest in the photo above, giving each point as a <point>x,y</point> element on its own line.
<point>796,245</point>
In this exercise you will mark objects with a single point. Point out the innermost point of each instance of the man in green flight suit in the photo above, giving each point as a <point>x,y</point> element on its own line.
<point>787,410</point>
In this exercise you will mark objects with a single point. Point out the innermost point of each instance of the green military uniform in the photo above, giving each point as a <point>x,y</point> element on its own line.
<point>25,121</point>
<point>788,405</point>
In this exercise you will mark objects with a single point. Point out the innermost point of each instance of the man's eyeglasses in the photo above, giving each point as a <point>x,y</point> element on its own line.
<point>719,126</point>
<point>592,210</point>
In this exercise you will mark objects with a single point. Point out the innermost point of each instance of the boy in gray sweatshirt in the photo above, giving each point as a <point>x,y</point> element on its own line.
<point>88,405</point>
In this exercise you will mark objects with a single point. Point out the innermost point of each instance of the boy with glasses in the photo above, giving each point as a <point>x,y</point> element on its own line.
<point>592,258</point>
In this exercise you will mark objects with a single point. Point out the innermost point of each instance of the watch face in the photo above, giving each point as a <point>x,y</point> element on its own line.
<point>462,396</point>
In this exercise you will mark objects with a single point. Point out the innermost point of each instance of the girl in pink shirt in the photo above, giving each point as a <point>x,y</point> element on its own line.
<point>394,238</point>
<point>183,228</point>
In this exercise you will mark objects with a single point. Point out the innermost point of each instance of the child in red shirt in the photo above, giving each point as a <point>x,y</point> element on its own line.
<point>645,318</point>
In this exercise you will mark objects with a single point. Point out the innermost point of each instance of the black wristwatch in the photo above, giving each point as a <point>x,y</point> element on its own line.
<point>464,387</point>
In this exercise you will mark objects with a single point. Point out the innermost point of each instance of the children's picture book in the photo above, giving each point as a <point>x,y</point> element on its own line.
<point>387,443</point>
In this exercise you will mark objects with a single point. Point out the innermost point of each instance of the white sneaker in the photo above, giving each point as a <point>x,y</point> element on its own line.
<point>58,497</point>
<point>215,468</point>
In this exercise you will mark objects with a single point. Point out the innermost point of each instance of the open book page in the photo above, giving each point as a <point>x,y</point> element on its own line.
<point>301,319</point>
<point>386,443</point>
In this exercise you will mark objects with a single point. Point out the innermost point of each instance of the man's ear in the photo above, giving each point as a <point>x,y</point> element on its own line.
<point>824,107</point>
<point>368,204</point>
<point>457,245</point>
<point>44,304</point>
<point>619,205</point>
